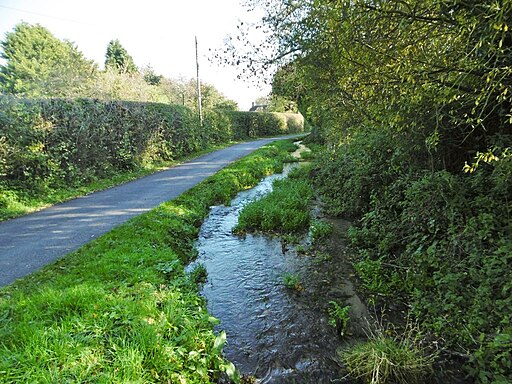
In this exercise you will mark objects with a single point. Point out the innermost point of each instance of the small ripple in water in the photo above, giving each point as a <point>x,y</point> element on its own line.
<point>277,335</point>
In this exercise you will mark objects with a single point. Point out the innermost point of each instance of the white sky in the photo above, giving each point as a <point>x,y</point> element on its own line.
<point>156,32</point>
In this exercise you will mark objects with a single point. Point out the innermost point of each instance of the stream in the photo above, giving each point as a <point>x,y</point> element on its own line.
<point>275,333</point>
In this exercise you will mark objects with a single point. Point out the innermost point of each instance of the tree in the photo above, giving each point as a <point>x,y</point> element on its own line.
<point>438,70</point>
<point>118,59</point>
<point>150,76</point>
<point>40,65</point>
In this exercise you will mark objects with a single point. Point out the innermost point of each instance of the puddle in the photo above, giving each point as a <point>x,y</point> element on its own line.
<point>277,334</point>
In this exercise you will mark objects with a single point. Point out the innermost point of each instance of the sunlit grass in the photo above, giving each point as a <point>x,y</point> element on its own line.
<point>122,308</point>
<point>284,210</point>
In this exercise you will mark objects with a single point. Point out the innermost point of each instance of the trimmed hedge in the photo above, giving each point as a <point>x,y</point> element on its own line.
<point>60,142</point>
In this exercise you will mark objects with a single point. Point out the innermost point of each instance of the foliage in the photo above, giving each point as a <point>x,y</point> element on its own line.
<point>199,274</point>
<point>118,58</point>
<point>284,210</point>
<point>52,144</point>
<point>404,93</point>
<point>150,76</point>
<point>319,230</point>
<point>38,64</point>
<point>382,359</point>
<point>443,241</point>
<point>122,308</point>
<point>339,317</point>
<point>292,281</point>
<point>247,123</point>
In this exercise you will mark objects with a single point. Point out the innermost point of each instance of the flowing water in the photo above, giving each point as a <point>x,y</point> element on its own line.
<point>277,334</point>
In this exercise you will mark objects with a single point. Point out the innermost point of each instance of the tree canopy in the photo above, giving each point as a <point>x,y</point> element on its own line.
<point>438,69</point>
<point>39,64</point>
<point>118,58</point>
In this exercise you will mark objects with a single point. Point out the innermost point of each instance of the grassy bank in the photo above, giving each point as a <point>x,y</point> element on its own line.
<point>122,308</point>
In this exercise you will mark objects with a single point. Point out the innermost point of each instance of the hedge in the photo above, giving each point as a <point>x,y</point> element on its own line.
<point>62,142</point>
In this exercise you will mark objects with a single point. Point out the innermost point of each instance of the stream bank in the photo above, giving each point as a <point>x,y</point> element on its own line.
<point>276,333</point>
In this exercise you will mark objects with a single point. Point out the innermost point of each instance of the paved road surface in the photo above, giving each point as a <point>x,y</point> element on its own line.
<point>32,241</point>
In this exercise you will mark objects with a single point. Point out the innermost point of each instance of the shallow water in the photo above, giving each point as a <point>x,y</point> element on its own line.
<point>277,334</point>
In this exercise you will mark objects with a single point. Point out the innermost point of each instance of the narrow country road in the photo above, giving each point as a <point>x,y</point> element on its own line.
<point>32,241</point>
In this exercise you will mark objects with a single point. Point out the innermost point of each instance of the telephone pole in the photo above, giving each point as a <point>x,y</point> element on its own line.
<point>198,88</point>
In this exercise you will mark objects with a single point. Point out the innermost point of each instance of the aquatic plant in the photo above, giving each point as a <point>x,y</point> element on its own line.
<point>199,274</point>
<point>339,316</point>
<point>292,281</point>
<point>319,230</point>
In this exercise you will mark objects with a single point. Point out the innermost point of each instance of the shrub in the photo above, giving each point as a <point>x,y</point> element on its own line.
<point>55,143</point>
<point>253,124</point>
<point>443,241</point>
<point>383,360</point>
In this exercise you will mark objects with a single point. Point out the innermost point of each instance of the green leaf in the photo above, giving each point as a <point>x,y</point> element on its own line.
<point>220,340</point>
<point>230,370</point>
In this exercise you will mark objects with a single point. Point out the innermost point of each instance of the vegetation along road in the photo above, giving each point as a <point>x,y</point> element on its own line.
<point>30,242</point>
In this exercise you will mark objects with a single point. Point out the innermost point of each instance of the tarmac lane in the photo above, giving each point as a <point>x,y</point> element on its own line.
<point>32,241</point>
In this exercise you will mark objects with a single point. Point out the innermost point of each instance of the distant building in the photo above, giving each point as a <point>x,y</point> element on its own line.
<point>258,107</point>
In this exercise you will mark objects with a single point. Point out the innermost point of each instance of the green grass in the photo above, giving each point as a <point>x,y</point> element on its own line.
<point>17,203</point>
<point>122,308</point>
<point>292,281</point>
<point>383,359</point>
<point>320,230</point>
<point>339,316</point>
<point>284,210</point>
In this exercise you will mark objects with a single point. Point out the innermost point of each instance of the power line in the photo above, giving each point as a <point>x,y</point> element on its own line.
<point>48,16</point>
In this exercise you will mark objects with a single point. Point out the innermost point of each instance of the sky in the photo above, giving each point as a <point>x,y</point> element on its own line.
<point>159,33</point>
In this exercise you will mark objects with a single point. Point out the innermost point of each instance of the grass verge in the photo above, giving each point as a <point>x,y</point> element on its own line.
<point>122,308</point>
<point>15,203</point>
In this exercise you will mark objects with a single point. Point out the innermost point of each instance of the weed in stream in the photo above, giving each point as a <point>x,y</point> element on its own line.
<point>307,155</point>
<point>284,210</point>
<point>339,317</point>
<point>322,257</point>
<point>291,238</point>
<point>301,249</point>
<point>199,274</point>
<point>320,230</point>
<point>292,281</point>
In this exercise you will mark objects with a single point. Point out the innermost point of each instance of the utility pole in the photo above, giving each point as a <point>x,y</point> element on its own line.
<point>198,87</point>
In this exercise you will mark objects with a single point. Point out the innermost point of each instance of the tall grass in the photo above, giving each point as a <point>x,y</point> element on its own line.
<point>386,359</point>
<point>284,210</point>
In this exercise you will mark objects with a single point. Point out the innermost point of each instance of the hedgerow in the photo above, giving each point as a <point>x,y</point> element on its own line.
<point>49,144</point>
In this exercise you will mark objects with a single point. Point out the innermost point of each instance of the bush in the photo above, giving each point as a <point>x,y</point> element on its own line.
<point>370,160</point>
<point>441,240</point>
<point>253,124</point>
<point>48,144</point>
